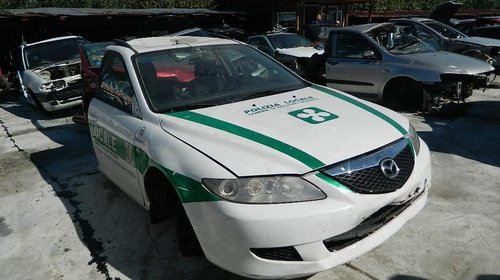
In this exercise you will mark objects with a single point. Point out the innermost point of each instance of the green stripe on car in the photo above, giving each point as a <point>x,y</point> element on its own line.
<point>362,106</point>
<point>251,135</point>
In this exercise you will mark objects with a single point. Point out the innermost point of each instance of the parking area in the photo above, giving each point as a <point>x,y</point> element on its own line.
<point>60,218</point>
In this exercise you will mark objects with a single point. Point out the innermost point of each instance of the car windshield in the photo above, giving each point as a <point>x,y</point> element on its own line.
<point>196,77</point>
<point>400,42</point>
<point>49,53</point>
<point>95,52</point>
<point>445,30</point>
<point>288,41</point>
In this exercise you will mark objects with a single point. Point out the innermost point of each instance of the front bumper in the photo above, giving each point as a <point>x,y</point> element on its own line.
<point>61,99</point>
<point>295,239</point>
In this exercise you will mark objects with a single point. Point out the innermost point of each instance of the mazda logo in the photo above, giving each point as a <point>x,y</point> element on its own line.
<point>389,168</point>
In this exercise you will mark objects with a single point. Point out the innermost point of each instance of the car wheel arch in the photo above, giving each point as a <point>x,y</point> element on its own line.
<point>160,193</point>
<point>187,241</point>
<point>393,89</point>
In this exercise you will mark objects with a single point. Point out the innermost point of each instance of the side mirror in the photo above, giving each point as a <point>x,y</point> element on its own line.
<point>368,54</point>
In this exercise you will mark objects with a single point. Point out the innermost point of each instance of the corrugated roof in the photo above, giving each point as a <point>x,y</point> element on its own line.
<point>104,12</point>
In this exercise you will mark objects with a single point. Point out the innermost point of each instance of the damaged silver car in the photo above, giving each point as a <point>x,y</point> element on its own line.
<point>49,73</point>
<point>379,63</point>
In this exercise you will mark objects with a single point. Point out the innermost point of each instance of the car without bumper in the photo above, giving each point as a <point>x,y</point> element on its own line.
<point>291,49</point>
<point>446,38</point>
<point>50,73</point>
<point>382,63</point>
<point>275,175</point>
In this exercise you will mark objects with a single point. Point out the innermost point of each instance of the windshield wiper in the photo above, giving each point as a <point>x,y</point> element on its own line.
<point>263,93</point>
<point>193,106</point>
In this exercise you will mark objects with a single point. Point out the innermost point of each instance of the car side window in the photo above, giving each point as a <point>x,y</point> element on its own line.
<point>351,46</point>
<point>115,87</point>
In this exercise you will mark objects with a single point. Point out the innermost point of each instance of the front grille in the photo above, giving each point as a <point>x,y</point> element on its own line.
<point>278,253</point>
<point>383,216</point>
<point>364,174</point>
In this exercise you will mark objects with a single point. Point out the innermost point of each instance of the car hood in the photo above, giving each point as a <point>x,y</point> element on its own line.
<point>445,11</point>
<point>274,135</point>
<point>301,51</point>
<point>489,42</point>
<point>447,62</point>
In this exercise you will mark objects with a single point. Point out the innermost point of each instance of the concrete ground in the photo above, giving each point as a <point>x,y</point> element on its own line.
<point>60,218</point>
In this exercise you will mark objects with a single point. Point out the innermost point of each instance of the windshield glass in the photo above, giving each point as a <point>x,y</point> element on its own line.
<point>196,77</point>
<point>287,41</point>
<point>95,52</point>
<point>445,30</point>
<point>400,42</point>
<point>49,53</point>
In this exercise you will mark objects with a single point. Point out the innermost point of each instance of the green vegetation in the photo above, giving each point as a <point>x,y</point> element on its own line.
<point>415,5</point>
<point>380,5</point>
<point>132,4</point>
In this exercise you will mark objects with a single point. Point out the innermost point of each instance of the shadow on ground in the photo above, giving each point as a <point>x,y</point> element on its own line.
<point>472,131</point>
<point>114,228</point>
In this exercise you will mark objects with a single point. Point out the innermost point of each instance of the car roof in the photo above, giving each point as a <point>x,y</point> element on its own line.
<point>274,34</point>
<point>150,44</point>
<point>53,39</point>
<point>363,28</point>
<point>417,19</point>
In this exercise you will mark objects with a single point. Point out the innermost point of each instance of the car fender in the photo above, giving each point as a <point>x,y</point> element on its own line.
<point>32,81</point>
<point>185,178</point>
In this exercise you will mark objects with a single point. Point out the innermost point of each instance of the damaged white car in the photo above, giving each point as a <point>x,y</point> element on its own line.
<point>274,177</point>
<point>291,49</point>
<point>49,73</point>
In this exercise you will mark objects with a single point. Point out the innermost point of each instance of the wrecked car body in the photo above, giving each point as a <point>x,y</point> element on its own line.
<point>49,73</point>
<point>446,38</point>
<point>382,64</point>
<point>292,50</point>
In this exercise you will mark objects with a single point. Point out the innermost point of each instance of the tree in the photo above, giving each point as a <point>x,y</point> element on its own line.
<point>117,4</point>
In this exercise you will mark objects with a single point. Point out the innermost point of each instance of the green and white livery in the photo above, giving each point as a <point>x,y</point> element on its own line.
<point>278,178</point>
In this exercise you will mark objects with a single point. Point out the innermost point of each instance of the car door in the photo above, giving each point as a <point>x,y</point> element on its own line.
<point>114,125</point>
<point>91,57</point>
<point>354,65</point>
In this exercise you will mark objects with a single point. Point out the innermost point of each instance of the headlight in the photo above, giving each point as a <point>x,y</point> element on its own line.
<point>415,141</point>
<point>261,190</point>
<point>45,75</point>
